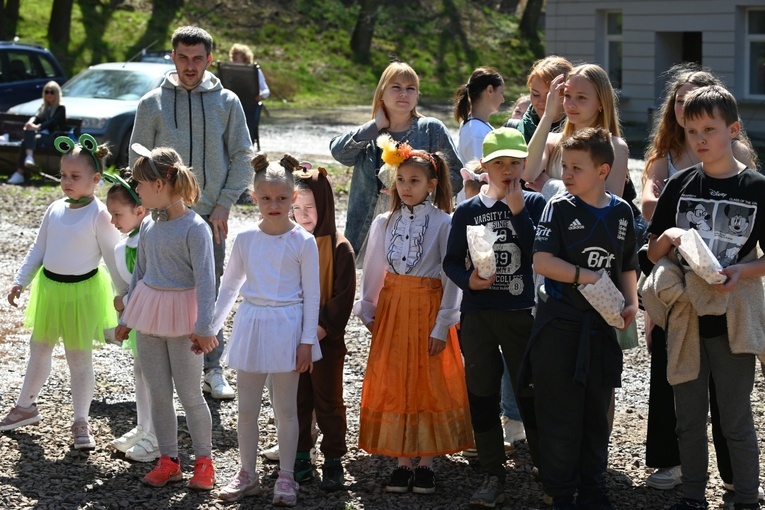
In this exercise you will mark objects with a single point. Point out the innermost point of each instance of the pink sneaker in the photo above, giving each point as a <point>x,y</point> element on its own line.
<point>20,416</point>
<point>285,490</point>
<point>242,485</point>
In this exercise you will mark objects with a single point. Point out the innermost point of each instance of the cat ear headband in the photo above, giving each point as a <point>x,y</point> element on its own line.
<point>117,179</point>
<point>66,145</point>
<point>146,153</point>
<point>469,175</point>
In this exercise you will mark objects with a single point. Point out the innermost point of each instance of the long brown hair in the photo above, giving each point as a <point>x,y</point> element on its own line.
<point>467,94</point>
<point>434,166</point>
<point>608,118</point>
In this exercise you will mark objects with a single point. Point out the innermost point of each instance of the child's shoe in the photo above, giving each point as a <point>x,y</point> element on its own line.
<point>285,490</point>
<point>272,453</point>
<point>400,480</point>
<point>167,470</point>
<point>242,485</point>
<point>303,471</point>
<point>126,441</point>
<point>513,430</point>
<point>332,475</point>
<point>19,417</point>
<point>204,475</point>
<point>83,437</point>
<point>424,480</point>
<point>145,450</point>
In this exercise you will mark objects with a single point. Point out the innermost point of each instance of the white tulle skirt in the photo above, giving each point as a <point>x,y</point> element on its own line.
<point>265,339</point>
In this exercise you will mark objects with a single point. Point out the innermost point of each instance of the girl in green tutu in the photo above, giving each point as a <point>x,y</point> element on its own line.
<point>71,297</point>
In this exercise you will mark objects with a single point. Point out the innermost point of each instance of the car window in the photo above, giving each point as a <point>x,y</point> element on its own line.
<point>45,68</point>
<point>17,67</point>
<point>110,84</point>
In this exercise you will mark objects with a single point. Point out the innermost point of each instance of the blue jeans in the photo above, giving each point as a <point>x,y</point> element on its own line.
<point>509,406</point>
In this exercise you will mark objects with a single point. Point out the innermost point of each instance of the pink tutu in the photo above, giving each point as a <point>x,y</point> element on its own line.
<point>157,312</point>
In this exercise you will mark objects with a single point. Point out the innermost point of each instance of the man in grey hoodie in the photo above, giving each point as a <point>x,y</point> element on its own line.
<point>192,113</point>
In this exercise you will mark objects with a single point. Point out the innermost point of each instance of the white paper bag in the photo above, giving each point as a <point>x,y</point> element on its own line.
<point>701,259</point>
<point>481,246</point>
<point>605,298</point>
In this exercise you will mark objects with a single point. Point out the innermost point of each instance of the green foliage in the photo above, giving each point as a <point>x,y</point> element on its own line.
<point>303,45</point>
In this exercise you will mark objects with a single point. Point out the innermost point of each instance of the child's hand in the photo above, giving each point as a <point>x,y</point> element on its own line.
<point>14,294</point>
<point>121,332</point>
<point>733,274</point>
<point>673,235</point>
<point>514,196</point>
<point>303,363</point>
<point>435,346</point>
<point>478,283</point>
<point>588,276</point>
<point>554,104</point>
<point>118,304</point>
<point>628,314</point>
<point>202,344</point>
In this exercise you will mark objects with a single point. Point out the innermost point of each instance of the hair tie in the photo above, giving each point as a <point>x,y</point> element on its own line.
<point>171,172</point>
<point>117,179</point>
<point>146,153</point>
<point>66,145</point>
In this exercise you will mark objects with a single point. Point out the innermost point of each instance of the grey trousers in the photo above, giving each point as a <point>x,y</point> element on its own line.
<point>167,362</point>
<point>734,378</point>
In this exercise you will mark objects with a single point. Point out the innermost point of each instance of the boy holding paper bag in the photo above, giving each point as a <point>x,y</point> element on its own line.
<point>574,360</point>
<point>713,328</point>
<point>498,295</point>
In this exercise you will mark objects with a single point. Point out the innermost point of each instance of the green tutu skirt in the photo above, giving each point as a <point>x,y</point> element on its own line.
<point>78,313</point>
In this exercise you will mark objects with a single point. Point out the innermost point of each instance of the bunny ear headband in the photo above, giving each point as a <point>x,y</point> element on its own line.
<point>146,153</point>
<point>469,175</point>
<point>117,179</point>
<point>66,145</point>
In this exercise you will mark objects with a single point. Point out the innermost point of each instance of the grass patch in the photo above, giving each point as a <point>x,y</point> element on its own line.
<point>303,45</point>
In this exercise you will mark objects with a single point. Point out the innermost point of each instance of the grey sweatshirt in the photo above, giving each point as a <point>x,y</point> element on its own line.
<point>206,126</point>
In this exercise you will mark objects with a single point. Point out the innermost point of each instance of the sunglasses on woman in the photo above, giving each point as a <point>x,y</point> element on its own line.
<point>50,91</point>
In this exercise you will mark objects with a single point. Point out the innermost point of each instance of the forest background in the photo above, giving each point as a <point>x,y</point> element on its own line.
<point>313,53</point>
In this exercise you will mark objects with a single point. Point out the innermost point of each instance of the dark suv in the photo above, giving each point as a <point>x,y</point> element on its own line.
<point>24,71</point>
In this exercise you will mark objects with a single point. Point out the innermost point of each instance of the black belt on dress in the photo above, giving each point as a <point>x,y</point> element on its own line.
<point>69,278</point>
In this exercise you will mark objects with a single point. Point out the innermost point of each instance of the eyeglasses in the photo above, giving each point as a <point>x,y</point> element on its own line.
<point>49,91</point>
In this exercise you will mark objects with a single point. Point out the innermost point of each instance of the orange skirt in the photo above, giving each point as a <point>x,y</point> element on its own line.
<point>412,404</point>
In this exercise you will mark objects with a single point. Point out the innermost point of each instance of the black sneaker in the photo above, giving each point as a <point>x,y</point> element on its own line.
<point>690,504</point>
<point>303,471</point>
<point>490,494</point>
<point>746,506</point>
<point>400,480</point>
<point>332,476</point>
<point>596,502</point>
<point>424,480</point>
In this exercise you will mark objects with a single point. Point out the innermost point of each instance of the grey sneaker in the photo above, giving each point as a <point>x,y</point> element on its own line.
<point>490,493</point>
<point>83,437</point>
<point>20,416</point>
<point>217,386</point>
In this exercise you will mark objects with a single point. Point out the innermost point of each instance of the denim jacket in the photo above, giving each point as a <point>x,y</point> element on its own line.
<point>426,133</point>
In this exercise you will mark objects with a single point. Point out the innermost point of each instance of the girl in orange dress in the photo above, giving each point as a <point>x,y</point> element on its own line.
<point>414,399</point>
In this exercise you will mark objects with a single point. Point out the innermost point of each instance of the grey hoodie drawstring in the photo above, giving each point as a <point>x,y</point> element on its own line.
<point>204,141</point>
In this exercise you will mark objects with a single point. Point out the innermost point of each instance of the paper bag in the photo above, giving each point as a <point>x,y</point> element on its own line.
<point>481,246</point>
<point>606,299</point>
<point>701,259</point>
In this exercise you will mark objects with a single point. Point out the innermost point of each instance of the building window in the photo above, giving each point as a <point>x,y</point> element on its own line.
<point>613,47</point>
<point>755,48</point>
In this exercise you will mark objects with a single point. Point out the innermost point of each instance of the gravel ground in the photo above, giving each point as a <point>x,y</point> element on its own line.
<point>39,468</point>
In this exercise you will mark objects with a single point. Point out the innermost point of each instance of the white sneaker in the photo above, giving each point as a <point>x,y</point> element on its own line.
<point>665,479</point>
<point>16,178</point>
<point>760,492</point>
<point>145,450</point>
<point>29,162</point>
<point>217,386</point>
<point>272,453</point>
<point>131,438</point>
<point>513,429</point>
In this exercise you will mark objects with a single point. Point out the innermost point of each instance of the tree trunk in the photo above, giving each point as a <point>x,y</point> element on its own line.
<point>530,20</point>
<point>59,26</point>
<point>9,20</point>
<point>361,40</point>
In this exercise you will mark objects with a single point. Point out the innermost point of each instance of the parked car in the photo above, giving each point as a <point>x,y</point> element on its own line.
<point>105,97</point>
<point>24,71</point>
